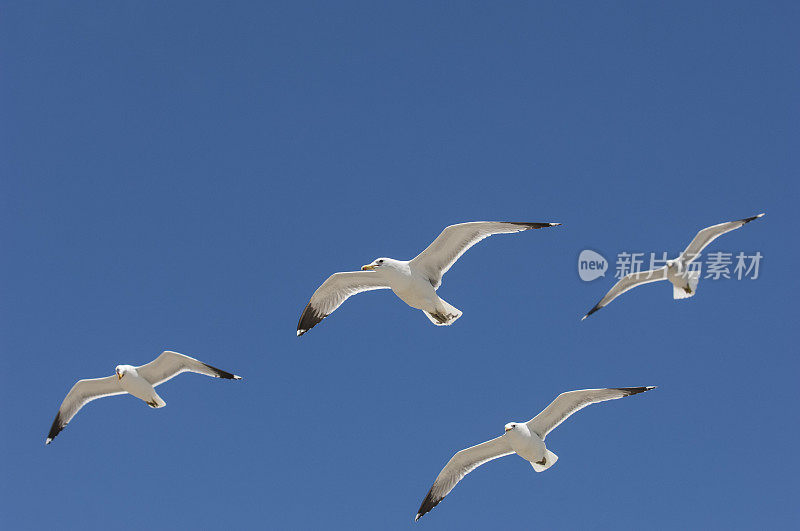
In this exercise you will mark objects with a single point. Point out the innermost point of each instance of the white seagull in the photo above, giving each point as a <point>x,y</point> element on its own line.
<point>684,281</point>
<point>138,381</point>
<point>526,439</point>
<point>414,281</point>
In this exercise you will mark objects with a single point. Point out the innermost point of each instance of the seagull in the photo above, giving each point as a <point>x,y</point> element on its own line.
<point>526,439</point>
<point>138,381</point>
<point>684,282</point>
<point>414,281</point>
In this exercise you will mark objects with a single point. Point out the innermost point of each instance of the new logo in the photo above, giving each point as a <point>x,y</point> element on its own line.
<point>591,265</point>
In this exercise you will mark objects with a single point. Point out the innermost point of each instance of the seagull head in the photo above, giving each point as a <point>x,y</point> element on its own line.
<point>510,426</point>
<point>675,265</point>
<point>122,370</point>
<point>377,264</point>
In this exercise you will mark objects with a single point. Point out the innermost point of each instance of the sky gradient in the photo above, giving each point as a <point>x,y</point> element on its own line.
<point>183,176</point>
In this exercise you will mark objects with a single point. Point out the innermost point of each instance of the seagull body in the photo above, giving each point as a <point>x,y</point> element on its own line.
<point>129,381</point>
<point>137,381</point>
<point>414,281</point>
<point>413,287</point>
<point>529,446</point>
<point>526,439</point>
<point>684,280</point>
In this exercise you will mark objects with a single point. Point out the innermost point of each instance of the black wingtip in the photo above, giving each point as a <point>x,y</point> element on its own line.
<point>748,220</point>
<point>530,225</point>
<point>308,319</point>
<point>55,429</point>
<point>635,390</point>
<point>223,374</point>
<point>596,307</point>
<point>428,503</point>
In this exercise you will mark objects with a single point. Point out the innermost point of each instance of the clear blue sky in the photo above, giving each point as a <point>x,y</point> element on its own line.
<point>183,175</point>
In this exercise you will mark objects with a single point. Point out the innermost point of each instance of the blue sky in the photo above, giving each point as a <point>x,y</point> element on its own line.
<point>183,175</point>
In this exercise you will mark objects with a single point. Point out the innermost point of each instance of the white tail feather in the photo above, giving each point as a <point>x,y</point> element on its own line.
<point>693,278</point>
<point>445,315</point>
<point>157,402</point>
<point>550,460</point>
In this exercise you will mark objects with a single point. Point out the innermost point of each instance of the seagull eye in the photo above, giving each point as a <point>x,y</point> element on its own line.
<point>380,261</point>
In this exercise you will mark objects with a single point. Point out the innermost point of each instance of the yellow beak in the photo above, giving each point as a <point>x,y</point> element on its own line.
<point>368,267</point>
<point>508,429</point>
<point>119,376</point>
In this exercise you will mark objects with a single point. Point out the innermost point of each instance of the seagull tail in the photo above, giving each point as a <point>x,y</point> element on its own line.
<point>684,292</point>
<point>156,402</point>
<point>445,314</point>
<point>549,460</point>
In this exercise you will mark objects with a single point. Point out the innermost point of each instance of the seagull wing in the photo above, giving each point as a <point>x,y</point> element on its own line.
<point>459,466</point>
<point>629,282</point>
<point>83,392</point>
<point>709,234</point>
<point>170,364</point>
<point>568,403</point>
<point>334,291</point>
<point>454,241</point>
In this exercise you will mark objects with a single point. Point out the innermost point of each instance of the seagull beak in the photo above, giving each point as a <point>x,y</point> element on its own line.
<point>119,376</point>
<point>508,429</point>
<point>368,267</point>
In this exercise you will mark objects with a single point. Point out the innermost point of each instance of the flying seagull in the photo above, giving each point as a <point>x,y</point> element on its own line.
<point>414,281</point>
<point>526,439</point>
<point>684,281</point>
<point>138,381</point>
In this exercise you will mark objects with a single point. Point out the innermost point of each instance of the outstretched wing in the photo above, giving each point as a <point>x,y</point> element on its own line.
<point>170,364</point>
<point>334,291</point>
<point>83,392</point>
<point>709,234</point>
<point>454,241</point>
<point>568,403</point>
<point>628,282</point>
<point>459,466</point>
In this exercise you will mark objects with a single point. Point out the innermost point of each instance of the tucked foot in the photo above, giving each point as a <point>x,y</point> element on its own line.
<point>542,462</point>
<point>688,290</point>
<point>153,404</point>
<point>441,318</point>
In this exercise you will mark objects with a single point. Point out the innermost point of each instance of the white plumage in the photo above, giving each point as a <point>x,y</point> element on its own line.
<point>684,280</point>
<point>524,439</point>
<point>138,381</point>
<point>415,281</point>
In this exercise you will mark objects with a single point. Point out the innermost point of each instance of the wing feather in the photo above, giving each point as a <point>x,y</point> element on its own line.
<point>461,464</point>
<point>83,392</point>
<point>442,253</point>
<point>170,364</point>
<point>629,282</point>
<point>568,403</point>
<point>334,291</point>
<point>709,234</point>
